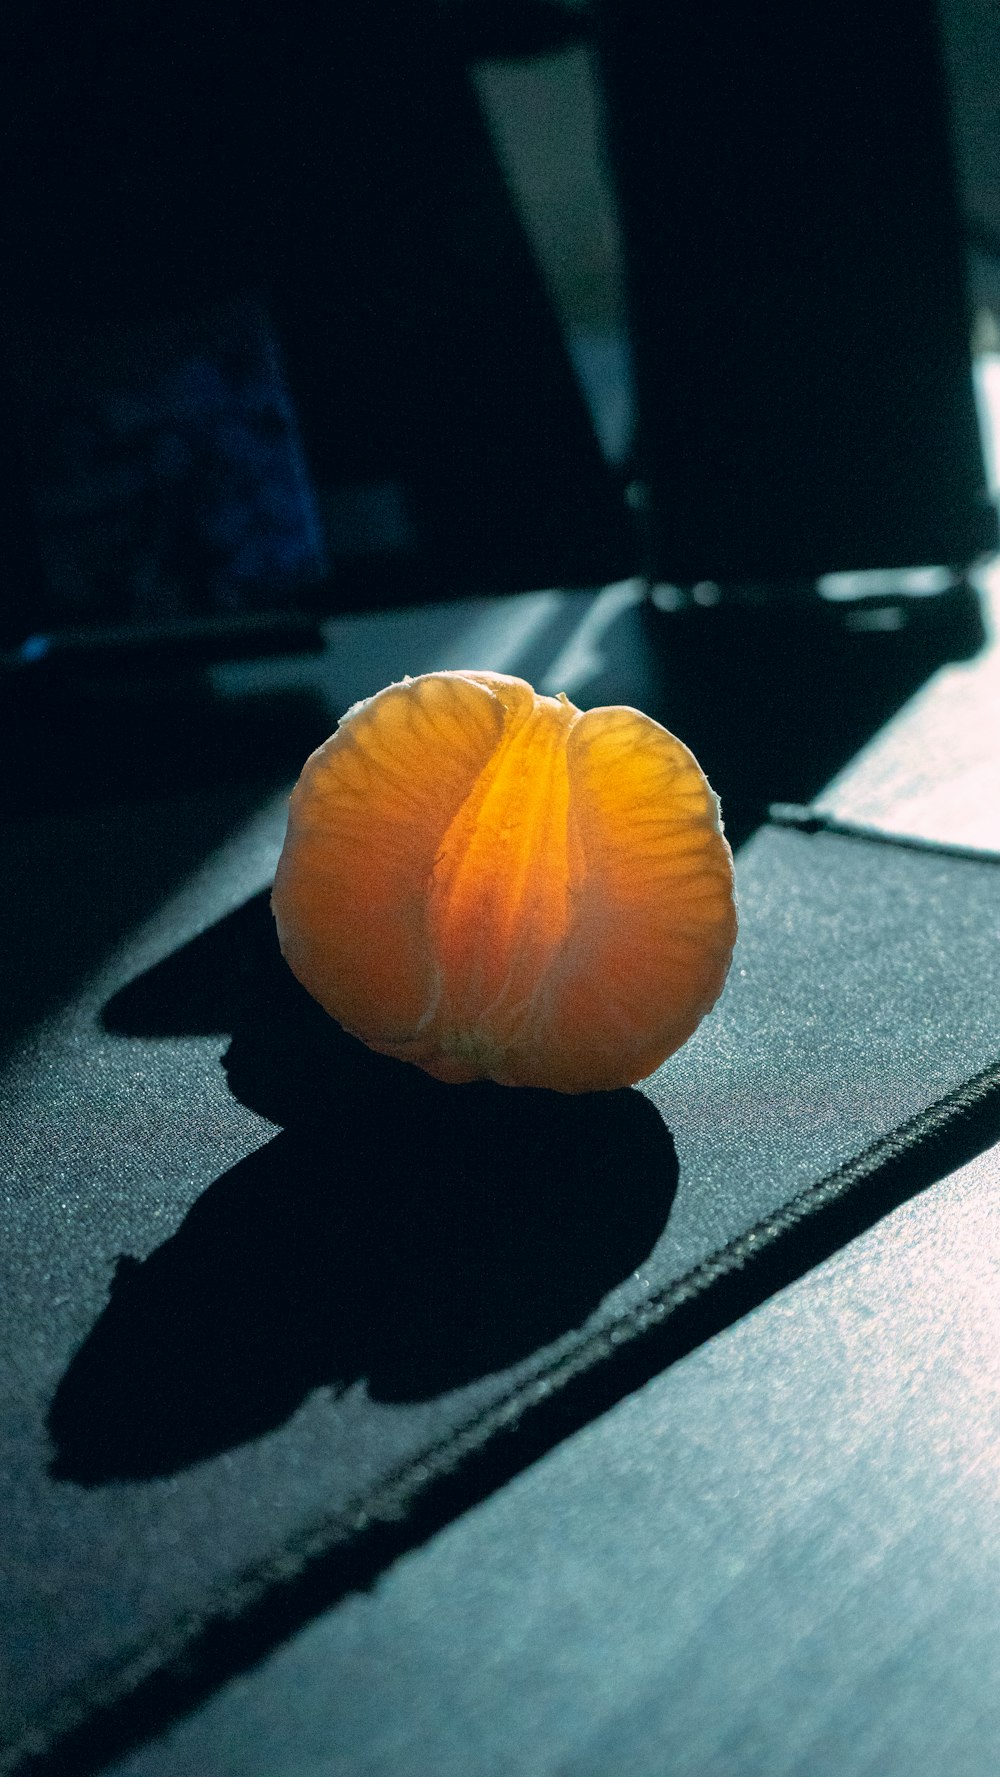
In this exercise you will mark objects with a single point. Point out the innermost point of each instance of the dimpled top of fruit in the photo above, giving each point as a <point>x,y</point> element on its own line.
<point>495,884</point>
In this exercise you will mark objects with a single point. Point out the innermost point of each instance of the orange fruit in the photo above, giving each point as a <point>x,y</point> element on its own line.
<point>494,884</point>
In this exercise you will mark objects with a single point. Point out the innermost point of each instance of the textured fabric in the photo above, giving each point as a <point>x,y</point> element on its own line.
<point>262,1287</point>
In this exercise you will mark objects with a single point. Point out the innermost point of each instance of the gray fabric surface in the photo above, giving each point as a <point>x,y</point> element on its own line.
<point>324,1317</point>
<point>780,1557</point>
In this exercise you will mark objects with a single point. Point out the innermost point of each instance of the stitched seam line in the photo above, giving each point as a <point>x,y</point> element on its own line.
<point>806,819</point>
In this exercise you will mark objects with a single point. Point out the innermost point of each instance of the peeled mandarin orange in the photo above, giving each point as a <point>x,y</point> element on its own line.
<point>494,884</point>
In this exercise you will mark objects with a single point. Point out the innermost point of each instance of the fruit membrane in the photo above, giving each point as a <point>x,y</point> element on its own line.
<point>494,884</point>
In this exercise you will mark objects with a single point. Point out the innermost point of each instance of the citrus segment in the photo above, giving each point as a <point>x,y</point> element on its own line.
<point>655,917</point>
<point>499,905</point>
<point>365,822</point>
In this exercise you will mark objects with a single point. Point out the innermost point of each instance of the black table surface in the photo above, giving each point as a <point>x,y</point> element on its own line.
<point>761,1542</point>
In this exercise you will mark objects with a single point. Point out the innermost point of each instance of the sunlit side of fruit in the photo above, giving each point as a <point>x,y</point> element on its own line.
<point>495,884</point>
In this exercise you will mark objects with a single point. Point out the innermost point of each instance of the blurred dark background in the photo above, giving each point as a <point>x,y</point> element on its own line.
<point>329,311</point>
<point>333,307</point>
<point>271,320</point>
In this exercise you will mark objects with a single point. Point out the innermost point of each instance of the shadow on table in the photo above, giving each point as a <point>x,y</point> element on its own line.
<point>413,1235</point>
